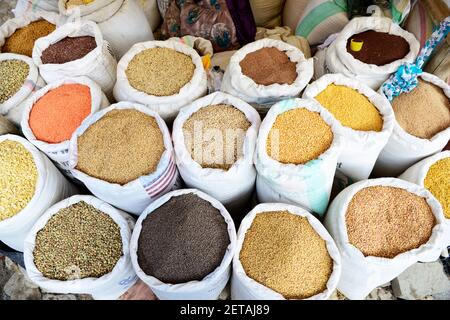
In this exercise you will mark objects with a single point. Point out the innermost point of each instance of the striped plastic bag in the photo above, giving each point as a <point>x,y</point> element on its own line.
<point>136,195</point>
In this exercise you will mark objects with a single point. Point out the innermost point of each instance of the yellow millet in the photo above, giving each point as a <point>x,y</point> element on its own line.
<point>18,177</point>
<point>437,181</point>
<point>351,108</point>
<point>298,136</point>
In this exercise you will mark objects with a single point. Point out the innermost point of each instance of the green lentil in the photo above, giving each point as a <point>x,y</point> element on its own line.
<point>13,74</point>
<point>78,242</point>
<point>18,178</point>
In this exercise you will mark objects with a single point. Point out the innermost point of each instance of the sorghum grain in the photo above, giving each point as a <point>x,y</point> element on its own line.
<point>68,49</point>
<point>160,71</point>
<point>121,147</point>
<point>386,221</point>
<point>282,251</point>
<point>232,125</point>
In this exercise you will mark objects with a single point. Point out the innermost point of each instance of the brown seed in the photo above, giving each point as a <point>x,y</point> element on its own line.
<point>283,252</point>
<point>386,221</point>
<point>216,127</point>
<point>121,147</point>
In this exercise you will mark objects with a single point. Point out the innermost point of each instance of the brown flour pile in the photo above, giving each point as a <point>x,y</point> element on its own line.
<point>267,66</point>
<point>423,112</point>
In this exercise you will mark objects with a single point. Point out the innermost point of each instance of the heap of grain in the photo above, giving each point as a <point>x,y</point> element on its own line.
<point>298,136</point>
<point>122,146</point>
<point>423,112</point>
<point>268,66</point>
<point>22,40</point>
<point>384,221</point>
<point>160,71</point>
<point>68,49</point>
<point>437,181</point>
<point>378,48</point>
<point>57,114</point>
<point>284,252</point>
<point>18,178</point>
<point>351,108</point>
<point>78,242</point>
<point>219,129</point>
<point>185,239</point>
<point>13,74</point>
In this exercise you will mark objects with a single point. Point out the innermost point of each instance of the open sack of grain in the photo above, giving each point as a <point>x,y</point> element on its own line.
<point>433,174</point>
<point>296,154</point>
<point>74,50</point>
<point>18,35</point>
<point>29,185</point>
<point>214,140</point>
<point>53,113</point>
<point>364,119</point>
<point>284,252</point>
<point>124,156</point>
<point>81,245</point>
<point>183,245</point>
<point>368,49</point>
<point>19,78</point>
<point>122,22</point>
<point>266,71</point>
<point>162,75</point>
<point>382,227</point>
<point>422,126</point>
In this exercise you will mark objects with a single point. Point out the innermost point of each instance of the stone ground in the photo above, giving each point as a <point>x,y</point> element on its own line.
<point>421,281</point>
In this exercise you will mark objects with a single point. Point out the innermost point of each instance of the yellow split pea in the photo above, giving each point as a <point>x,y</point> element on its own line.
<point>437,181</point>
<point>18,178</point>
<point>351,108</point>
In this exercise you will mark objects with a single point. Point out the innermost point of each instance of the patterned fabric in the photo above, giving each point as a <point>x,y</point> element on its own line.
<point>405,79</point>
<point>209,19</point>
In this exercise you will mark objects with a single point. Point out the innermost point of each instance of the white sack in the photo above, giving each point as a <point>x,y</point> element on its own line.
<point>98,65</point>
<point>51,187</point>
<point>166,106</point>
<point>243,87</point>
<point>404,149</point>
<point>245,288</point>
<point>307,185</point>
<point>136,195</point>
<point>233,187</point>
<point>122,22</point>
<point>59,152</point>
<point>13,108</point>
<point>107,287</point>
<point>360,148</point>
<point>210,287</point>
<point>339,60</point>
<point>360,274</point>
<point>24,6</point>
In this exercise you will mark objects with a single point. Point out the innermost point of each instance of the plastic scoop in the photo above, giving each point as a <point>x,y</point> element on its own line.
<point>356,45</point>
